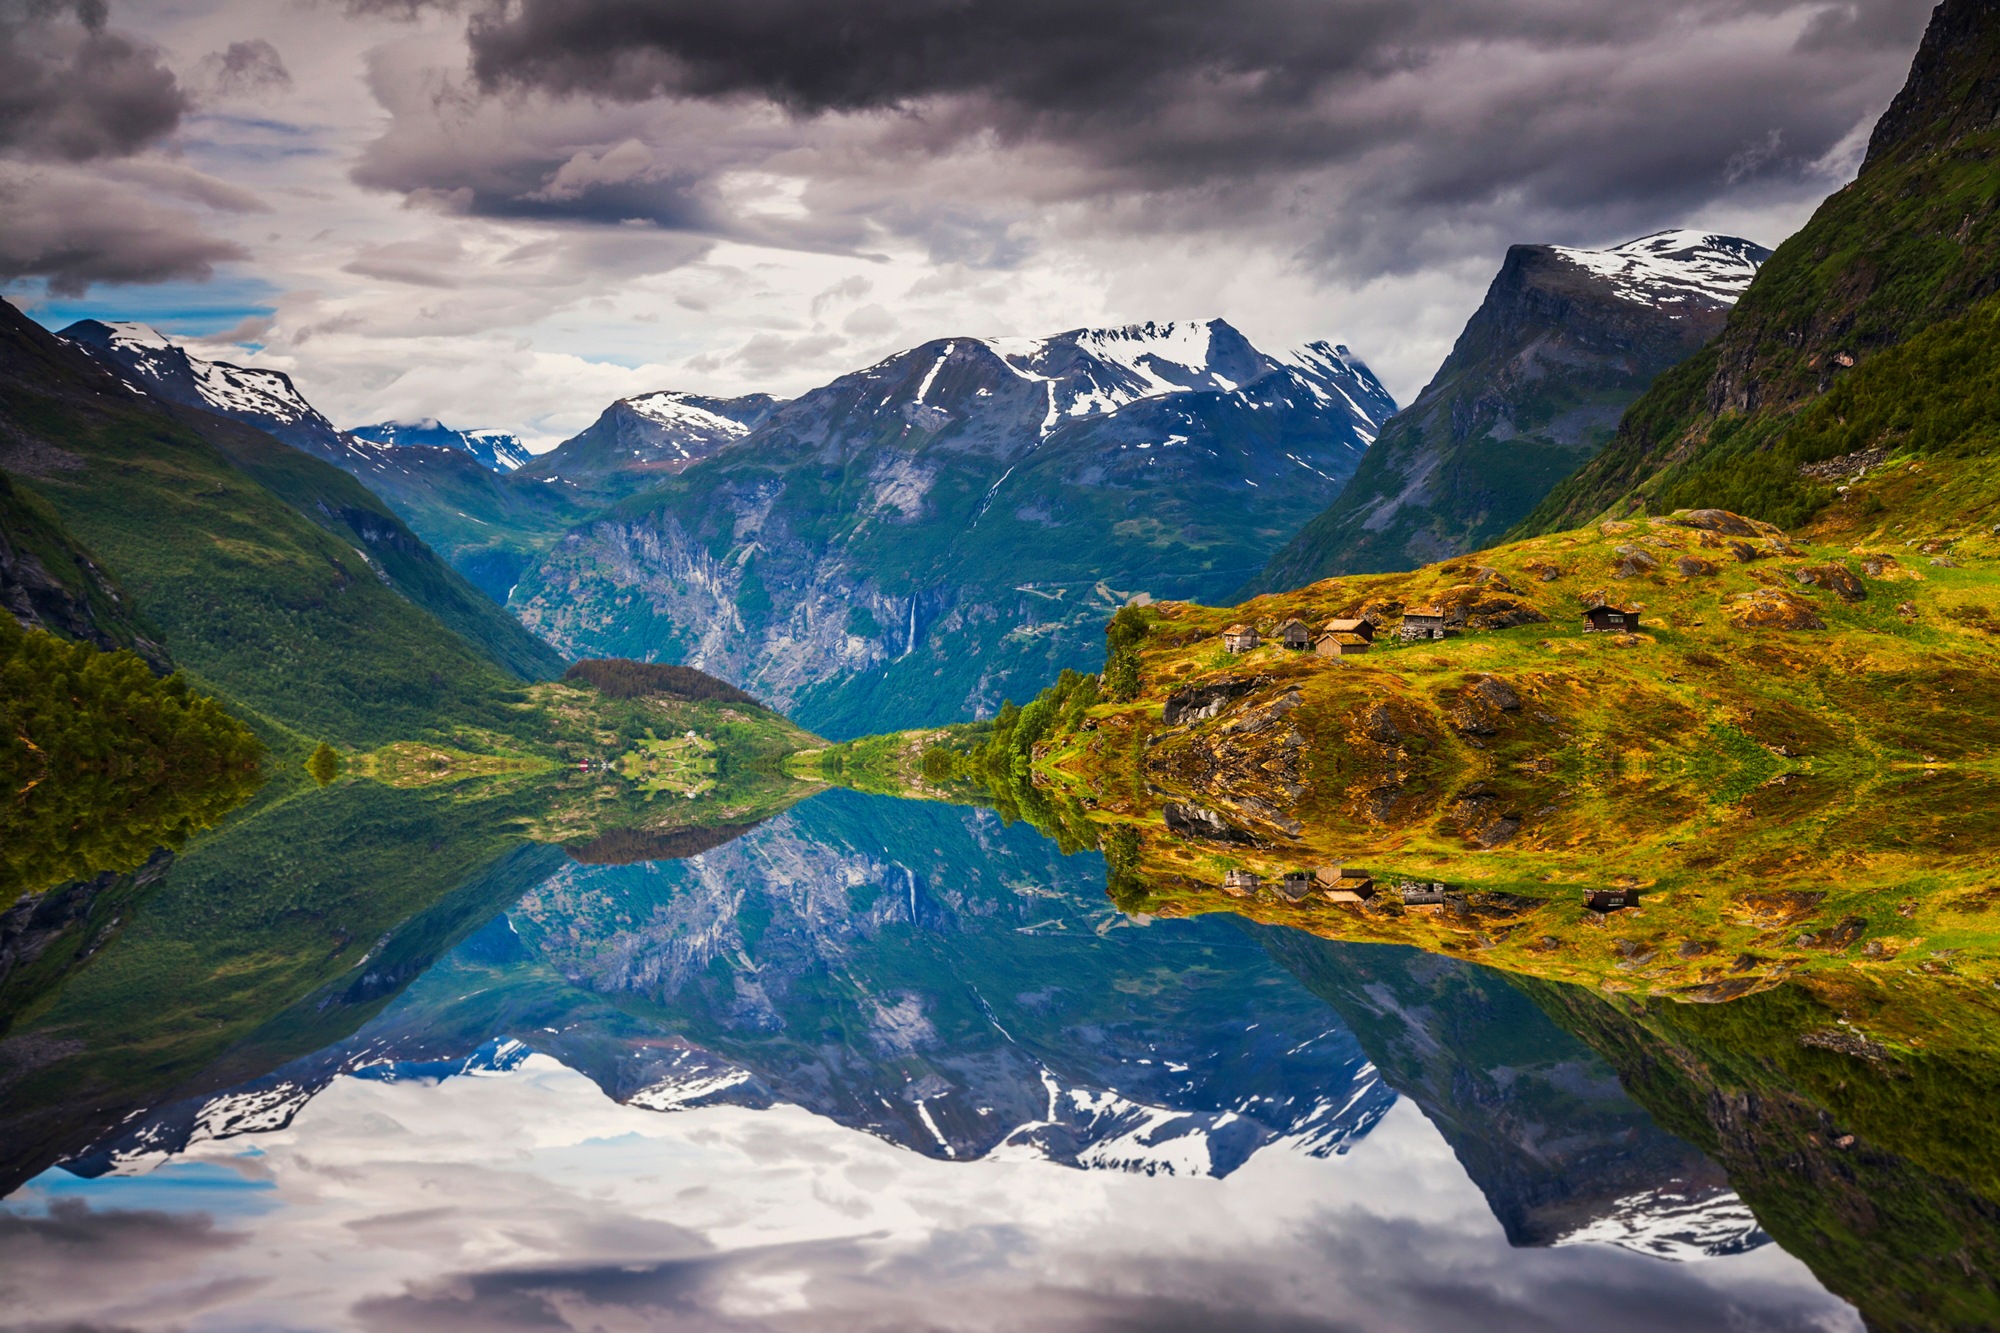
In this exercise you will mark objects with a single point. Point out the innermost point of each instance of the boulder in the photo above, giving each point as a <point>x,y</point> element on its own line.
<point>1693,566</point>
<point>1836,579</point>
<point>1772,608</point>
<point>1719,520</point>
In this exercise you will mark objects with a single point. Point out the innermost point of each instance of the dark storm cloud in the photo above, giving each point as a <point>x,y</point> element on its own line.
<point>72,89</point>
<point>78,100</point>
<point>1376,131</point>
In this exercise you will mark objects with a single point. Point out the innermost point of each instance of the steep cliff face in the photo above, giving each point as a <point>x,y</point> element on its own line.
<point>1563,342</point>
<point>1911,245</point>
<point>916,540</point>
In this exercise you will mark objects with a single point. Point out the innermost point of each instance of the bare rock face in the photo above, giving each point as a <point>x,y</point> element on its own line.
<point>1196,821</point>
<point>1195,703</point>
<point>1772,608</point>
<point>1836,579</point>
<point>1479,709</point>
<point>1693,567</point>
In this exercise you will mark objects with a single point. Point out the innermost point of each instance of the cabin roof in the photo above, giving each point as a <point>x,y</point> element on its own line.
<point>1436,611</point>
<point>1344,626</point>
<point>1237,629</point>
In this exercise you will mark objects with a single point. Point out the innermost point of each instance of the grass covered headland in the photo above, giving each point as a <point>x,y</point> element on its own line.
<point>103,762</point>
<point>1792,761</point>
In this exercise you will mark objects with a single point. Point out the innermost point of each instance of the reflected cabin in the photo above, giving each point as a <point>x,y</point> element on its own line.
<point>1294,634</point>
<point>1601,619</point>
<point>1240,638</point>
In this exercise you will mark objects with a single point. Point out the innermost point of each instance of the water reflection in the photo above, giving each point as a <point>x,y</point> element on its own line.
<point>716,1079</point>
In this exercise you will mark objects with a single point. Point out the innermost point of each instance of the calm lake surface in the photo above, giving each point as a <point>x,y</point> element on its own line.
<point>869,1065</point>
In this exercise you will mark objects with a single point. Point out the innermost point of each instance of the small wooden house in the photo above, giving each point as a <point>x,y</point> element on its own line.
<point>1241,883</point>
<point>1423,622</point>
<point>1294,634</point>
<point>1295,885</point>
<point>1240,638</point>
<point>1344,884</point>
<point>1420,893</point>
<point>1335,645</point>
<point>1360,626</point>
<point>1601,619</point>
<point>1611,900</point>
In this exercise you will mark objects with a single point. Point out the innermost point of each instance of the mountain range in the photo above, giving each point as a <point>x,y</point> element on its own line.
<point>923,537</point>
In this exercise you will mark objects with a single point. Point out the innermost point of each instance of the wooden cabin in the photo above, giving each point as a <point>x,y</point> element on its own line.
<point>1611,900</point>
<point>1601,619</point>
<point>1421,894</point>
<point>1241,883</point>
<point>1294,634</point>
<point>1360,626</point>
<point>1240,638</point>
<point>1344,884</point>
<point>1295,885</point>
<point>1336,645</point>
<point>1423,622</point>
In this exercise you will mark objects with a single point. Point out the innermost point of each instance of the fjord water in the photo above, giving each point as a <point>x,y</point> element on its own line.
<point>871,1064</point>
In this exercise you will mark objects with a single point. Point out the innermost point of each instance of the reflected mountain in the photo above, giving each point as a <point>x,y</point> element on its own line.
<point>962,988</point>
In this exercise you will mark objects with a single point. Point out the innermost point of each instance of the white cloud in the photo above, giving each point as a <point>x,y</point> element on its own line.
<point>529,1197</point>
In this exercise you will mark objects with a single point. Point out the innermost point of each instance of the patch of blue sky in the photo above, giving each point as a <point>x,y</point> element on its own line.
<point>214,1188</point>
<point>189,309</point>
<point>218,138</point>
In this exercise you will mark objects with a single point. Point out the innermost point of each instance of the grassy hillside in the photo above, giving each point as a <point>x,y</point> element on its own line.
<point>1793,760</point>
<point>347,509</point>
<point>254,601</point>
<point>1912,244</point>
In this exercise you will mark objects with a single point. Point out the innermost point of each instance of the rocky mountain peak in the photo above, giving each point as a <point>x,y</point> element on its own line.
<point>1675,268</point>
<point>154,364</point>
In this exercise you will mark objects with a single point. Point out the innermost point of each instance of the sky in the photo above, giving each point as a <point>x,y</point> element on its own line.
<point>531,1200</point>
<point>506,215</point>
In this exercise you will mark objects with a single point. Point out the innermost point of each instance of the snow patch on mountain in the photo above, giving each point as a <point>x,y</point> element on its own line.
<point>1675,1225</point>
<point>680,411</point>
<point>1675,267</point>
<point>152,362</point>
<point>499,450</point>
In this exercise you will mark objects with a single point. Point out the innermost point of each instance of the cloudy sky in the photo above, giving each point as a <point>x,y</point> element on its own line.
<point>531,1201</point>
<point>507,214</point>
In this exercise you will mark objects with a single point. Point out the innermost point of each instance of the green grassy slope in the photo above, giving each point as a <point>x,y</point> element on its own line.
<point>347,509</point>
<point>255,602</point>
<point>1913,242</point>
<point>489,526</point>
<point>49,581</point>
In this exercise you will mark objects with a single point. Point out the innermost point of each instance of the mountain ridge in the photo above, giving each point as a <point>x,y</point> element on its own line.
<point>1562,342</point>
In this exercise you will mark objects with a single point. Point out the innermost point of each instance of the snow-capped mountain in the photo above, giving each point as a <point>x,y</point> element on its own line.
<point>496,449</point>
<point>1565,340</point>
<point>154,364</point>
<point>961,511</point>
<point>640,440</point>
<point>1681,1224</point>
<point>1671,269</point>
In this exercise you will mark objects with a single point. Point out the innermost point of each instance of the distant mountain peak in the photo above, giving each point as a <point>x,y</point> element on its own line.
<point>1675,266</point>
<point>499,450</point>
